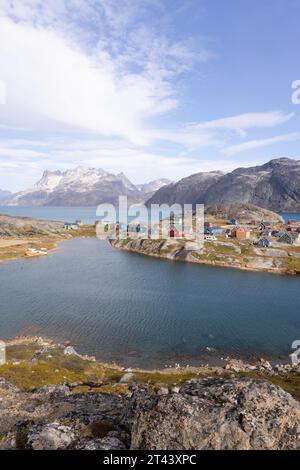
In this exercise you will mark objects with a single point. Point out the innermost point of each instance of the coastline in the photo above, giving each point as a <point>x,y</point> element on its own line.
<point>175,252</point>
<point>33,362</point>
<point>14,248</point>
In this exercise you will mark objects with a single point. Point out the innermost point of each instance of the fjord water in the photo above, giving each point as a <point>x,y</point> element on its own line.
<point>70,214</point>
<point>144,312</point>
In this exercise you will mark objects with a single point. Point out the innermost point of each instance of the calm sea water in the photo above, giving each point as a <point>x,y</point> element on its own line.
<point>70,214</point>
<point>62,214</point>
<point>145,312</point>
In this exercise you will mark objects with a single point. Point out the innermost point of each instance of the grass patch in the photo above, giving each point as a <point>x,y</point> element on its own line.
<point>293,264</point>
<point>290,382</point>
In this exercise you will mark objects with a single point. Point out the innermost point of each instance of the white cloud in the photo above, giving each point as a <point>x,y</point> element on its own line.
<point>47,77</point>
<point>95,74</point>
<point>243,122</point>
<point>216,133</point>
<point>253,144</point>
<point>91,65</point>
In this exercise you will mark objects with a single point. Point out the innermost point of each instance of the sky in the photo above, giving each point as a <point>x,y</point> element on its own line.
<point>151,88</point>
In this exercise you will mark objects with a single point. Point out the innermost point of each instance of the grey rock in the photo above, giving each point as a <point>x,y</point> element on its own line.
<point>213,413</point>
<point>5,385</point>
<point>163,391</point>
<point>128,377</point>
<point>218,414</point>
<point>24,226</point>
<point>107,443</point>
<point>52,436</point>
<point>70,351</point>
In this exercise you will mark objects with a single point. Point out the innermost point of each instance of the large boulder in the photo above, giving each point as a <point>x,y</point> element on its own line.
<point>218,413</point>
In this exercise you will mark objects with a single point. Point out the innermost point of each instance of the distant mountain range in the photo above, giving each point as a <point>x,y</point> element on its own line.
<point>82,187</point>
<point>4,195</point>
<point>274,185</point>
<point>153,186</point>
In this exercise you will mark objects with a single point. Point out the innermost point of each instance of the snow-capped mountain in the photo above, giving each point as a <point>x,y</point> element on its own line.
<point>83,187</point>
<point>153,186</point>
<point>77,187</point>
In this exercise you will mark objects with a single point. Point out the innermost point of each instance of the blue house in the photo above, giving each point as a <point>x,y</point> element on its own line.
<point>217,230</point>
<point>233,222</point>
<point>207,230</point>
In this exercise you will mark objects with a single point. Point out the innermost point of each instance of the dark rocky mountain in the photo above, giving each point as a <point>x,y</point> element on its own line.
<point>274,185</point>
<point>189,190</point>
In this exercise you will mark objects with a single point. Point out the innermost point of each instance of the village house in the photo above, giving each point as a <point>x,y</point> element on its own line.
<point>266,233</point>
<point>263,242</point>
<point>71,226</point>
<point>233,222</point>
<point>264,226</point>
<point>173,232</point>
<point>240,233</point>
<point>291,238</point>
<point>293,226</point>
<point>213,230</point>
<point>207,224</point>
<point>217,230</point>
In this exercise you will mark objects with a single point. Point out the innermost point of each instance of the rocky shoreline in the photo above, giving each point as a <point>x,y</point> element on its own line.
<point>211,255</point>
<point>51,397</point>
<point>24,237</point>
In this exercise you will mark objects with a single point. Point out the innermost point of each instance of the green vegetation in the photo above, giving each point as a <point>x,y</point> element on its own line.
<point>31,366</point>
<point>293,264</point>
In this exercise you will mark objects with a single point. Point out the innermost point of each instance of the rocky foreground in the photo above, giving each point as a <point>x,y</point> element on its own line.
<point>53,398</point>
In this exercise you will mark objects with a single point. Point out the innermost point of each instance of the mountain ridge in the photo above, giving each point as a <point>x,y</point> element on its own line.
<point>274,185</point>
<point>80,186</point>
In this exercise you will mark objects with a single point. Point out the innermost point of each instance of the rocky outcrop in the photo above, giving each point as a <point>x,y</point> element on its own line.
<point>275,186</point>
<point>26,226</point>
<point>244,213</point>
<point>218,414</point>
<point>214,413</point>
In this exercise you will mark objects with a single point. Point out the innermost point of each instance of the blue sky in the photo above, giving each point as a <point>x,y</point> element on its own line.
<point>153,88</point>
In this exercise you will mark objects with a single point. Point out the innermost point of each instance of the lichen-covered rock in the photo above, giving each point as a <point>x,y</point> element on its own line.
<point>218,413</point>
<point>53,436</point>
<point>213,413</point>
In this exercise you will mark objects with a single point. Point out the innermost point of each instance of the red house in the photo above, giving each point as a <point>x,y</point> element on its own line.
<point>173,232</point>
